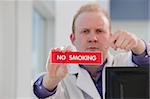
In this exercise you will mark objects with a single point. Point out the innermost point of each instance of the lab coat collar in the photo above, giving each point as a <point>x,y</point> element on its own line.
<point>110,61</point>
<point>84,81</point>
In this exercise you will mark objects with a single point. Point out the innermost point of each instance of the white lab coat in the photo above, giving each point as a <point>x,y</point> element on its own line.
<point>82,86</point>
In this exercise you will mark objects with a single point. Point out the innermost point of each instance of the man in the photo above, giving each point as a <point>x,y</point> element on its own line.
<point>91,31</point>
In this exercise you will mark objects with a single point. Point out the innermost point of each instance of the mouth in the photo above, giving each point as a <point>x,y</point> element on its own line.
<point>92,48</point>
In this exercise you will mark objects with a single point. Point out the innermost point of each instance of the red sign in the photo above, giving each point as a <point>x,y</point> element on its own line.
<point>77,57</point>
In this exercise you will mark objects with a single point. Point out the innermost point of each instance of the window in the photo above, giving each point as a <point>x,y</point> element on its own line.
<point>38,42</point>
<point>42,35</point>
<point>129,9</point>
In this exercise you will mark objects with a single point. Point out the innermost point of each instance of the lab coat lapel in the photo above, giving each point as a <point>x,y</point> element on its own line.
<point>85,83</point>
<point>109,63</point>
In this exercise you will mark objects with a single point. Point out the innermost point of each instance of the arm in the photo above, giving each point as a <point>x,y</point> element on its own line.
<point>47,84</point>
<point>142,59</point>
<point>130,42</point>
<point>40,91</point>
<point>43,93</point>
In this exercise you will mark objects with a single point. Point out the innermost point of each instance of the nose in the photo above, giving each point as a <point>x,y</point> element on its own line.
<point>92,38</point>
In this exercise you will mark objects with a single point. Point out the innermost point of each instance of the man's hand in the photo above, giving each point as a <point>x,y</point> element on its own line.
<point>127,41</point>
<point>55,72</point>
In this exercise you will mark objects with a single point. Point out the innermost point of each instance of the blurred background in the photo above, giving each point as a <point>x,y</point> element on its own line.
<point>30,28</point>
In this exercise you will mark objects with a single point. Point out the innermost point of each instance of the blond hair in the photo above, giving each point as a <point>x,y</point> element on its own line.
<point>94,7</point>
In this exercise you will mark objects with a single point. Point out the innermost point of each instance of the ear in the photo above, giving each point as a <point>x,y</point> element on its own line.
<point>72,38</point>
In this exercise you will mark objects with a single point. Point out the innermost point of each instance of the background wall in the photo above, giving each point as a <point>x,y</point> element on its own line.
<point>15,49</point>
<point>7,49</point>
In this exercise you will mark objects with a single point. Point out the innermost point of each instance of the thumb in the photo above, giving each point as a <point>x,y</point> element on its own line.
<point>113,40</point>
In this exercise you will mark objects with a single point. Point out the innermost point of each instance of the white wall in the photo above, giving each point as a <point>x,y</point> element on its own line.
<point>105,4</point>
<point>139,28</point>
<point>24,49</point>
<point>15,49</point>
<point>7,50</point>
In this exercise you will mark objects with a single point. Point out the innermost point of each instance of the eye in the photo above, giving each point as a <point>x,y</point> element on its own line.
<point>99,31</point>
<point>85,31</point>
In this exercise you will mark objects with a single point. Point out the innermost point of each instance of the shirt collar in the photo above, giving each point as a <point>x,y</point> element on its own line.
<point>98,70</point>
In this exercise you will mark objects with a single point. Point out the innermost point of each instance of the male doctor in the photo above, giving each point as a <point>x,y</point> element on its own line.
<point>91,31</point>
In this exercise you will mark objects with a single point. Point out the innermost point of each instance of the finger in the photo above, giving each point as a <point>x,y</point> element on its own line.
<point>57,49</point>
<point>50,55</point>
<point>65,69</point>
<point>124,44</point>
<point>119,41</point>
<point>52,68</point>
<point>48,60</point>
<point>69,48</point>
<point>114,37</point>
<point>112,45</point>
<point>62,66</point>
<point>52,50</point>
<point>62,70</point>
<point>129,46</point>
<point>49,65</point>
<point>113,40</point>
<point>66,49</point>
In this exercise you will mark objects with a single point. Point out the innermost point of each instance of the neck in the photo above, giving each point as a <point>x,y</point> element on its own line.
<point>93,68</point>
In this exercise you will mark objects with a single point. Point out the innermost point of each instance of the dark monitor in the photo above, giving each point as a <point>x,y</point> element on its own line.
<point>127,83</point>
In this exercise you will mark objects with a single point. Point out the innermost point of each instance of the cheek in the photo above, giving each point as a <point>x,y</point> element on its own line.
<point>80,41</point>
<point>103,38</point>
<point>77,40</point>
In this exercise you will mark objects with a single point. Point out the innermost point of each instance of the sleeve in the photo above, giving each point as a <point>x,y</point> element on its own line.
<point>142,59</point>
<point>40,91</point>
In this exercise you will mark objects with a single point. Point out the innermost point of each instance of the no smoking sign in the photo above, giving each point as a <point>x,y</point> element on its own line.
<point>77,57</point>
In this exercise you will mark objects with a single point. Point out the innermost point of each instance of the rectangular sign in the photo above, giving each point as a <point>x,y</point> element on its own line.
<point>76,57</point>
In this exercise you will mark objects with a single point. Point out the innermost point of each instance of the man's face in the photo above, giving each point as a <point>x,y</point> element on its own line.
<point>92,32</point>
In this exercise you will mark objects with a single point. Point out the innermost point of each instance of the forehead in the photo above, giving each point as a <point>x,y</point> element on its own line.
<point>91,19</point>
